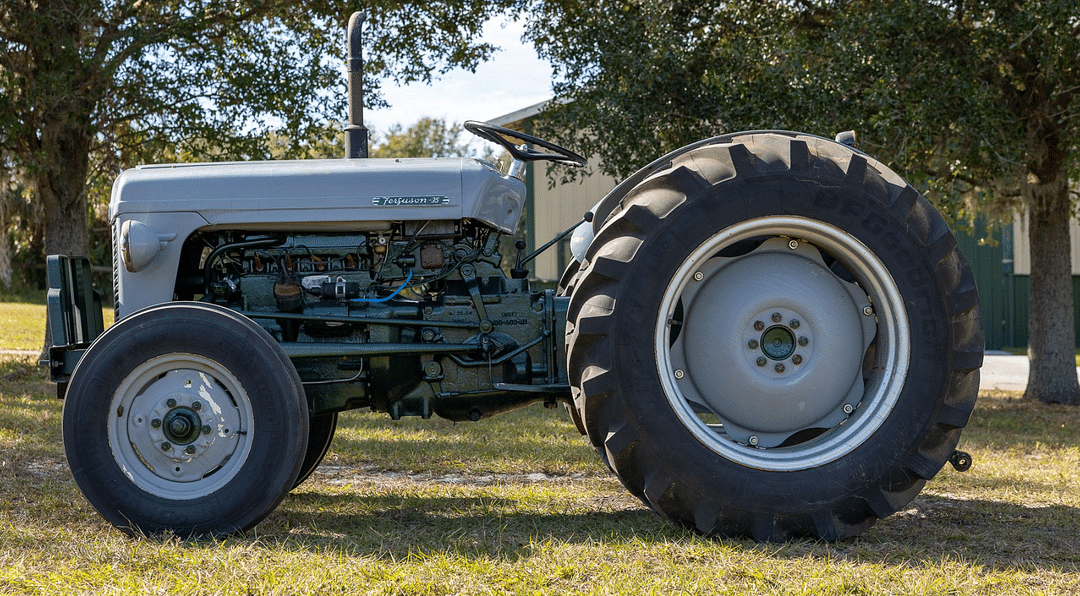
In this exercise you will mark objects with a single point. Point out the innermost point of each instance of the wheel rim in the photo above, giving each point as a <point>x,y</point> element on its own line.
<point>782,343</point>
<point>181,426</point>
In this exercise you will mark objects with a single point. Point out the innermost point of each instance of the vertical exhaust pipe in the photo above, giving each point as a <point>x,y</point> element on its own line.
<point>356,136</point>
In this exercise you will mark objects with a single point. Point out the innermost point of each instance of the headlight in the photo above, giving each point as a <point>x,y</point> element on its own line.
<point>139,244</point>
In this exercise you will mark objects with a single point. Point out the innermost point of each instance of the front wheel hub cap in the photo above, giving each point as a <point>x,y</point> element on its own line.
<point>182,425</point>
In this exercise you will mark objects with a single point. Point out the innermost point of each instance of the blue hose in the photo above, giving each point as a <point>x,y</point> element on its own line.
<point>396,292</point>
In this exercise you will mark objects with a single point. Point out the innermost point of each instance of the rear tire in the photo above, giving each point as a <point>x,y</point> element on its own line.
<point>774,337</point>
<point>185,417</point>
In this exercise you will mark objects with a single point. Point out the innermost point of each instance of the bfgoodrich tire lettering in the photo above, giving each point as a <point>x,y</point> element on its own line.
<point>774,337</point>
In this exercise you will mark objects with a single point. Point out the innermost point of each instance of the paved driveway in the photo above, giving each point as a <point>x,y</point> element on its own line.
<point>1002,370</point>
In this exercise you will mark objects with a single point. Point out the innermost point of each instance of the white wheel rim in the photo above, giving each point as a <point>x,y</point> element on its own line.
<point>831,401</point>
<point>152,426</point>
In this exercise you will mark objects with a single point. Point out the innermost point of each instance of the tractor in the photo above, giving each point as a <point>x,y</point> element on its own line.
<point>765,334</point>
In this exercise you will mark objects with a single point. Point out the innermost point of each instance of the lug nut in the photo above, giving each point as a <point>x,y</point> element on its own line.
<point>794,323</point>
<point>679,374</point>
<point>166,446</point>
<point>170,402</point>
<point>797,359</point>
<point>190,450</point>
<point>156,423</point>
<point>753,440</point>
<point>803,341</point>
<point>779,368</point>
<point>761,361</point>
<point>698,276</point>
<point>848,409</point>
<point>868,310</point>
<point>195,405</point>
<point>793,244</point>
<point>206,429</point>
<point>753,345</point>
<point>758,325</point>
<point>776,318</point>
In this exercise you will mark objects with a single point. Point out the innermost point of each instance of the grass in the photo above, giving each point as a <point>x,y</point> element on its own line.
<point>518,504</point>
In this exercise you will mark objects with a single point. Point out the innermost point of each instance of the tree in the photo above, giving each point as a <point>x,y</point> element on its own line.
<point>90,85</point>
<point>976,102</point>
<point>428,137</point>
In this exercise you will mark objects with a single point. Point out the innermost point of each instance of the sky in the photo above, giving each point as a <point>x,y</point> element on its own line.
<point>513,79</point>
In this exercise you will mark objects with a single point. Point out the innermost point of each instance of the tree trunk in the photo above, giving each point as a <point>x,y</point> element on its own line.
<point>1051,335</point>
<point>61,186</point>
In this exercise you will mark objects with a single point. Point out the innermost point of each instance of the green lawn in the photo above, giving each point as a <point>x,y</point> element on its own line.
<point>519,504</point>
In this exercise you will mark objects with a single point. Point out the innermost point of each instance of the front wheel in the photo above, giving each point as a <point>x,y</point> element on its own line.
<point>185,417</point>
<point>774,337</point>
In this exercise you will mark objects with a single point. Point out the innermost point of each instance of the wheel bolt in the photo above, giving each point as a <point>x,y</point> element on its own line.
<point>793,244</point>
<point>761,361</point>
<point>848,409</point>
<point>166,446</point>
<point>795,323</point>
<point>797,359</point>
<point>170,402</point>
<point>758,325</point>
<point>195,405</point>
<point>803,341</point>
<point>679,374</point>
<point>698,276</point>
<point>868,310</point>
<point>753,344</point>
<point>190,450</point>
<point>156,423</point>
<point>753,440</point>
<point>779,368</point>
<point>206,429</point>
<point>776,317</point>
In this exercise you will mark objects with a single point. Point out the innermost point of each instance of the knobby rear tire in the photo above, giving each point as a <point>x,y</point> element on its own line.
<point>667,332</point>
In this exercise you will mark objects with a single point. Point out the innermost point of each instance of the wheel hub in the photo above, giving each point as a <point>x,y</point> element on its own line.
<point>176,424</point>
<point>778,342</point>
<point>182,426</point>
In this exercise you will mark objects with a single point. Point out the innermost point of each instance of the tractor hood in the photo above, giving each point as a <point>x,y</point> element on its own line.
<point>271,194</point>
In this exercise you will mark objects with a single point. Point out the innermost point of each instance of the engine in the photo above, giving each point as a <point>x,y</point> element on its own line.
<point>402,318</point>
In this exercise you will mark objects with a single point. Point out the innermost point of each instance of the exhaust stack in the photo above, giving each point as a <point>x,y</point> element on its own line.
<point>356,135</point>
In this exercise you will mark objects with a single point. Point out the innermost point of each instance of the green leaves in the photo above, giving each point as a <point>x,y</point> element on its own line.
<point>945,91</point>
<point>428,137</point>
<point>124,82</point>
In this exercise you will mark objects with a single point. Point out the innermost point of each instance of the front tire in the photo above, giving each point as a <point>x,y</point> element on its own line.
<point>320,434</point>
<point>185,417</point>
<point>774,337</point>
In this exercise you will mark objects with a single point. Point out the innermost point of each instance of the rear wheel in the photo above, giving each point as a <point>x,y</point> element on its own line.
<point>185,417</point>
<point>774,337</point>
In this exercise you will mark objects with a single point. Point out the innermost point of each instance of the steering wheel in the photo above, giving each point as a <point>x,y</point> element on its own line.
<point>498,134</point>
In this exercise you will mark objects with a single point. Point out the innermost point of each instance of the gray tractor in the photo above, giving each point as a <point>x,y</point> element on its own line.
<point>764,334</point>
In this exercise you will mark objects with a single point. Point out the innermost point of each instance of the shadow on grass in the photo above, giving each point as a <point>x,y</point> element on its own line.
<point>930,532</point>
<point>399,525</point>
